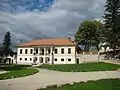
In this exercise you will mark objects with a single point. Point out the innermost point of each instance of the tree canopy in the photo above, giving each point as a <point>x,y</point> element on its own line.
<point>6,44</point>
<point>5,48</point>
<point>112,20</point>
<point>89,33</point>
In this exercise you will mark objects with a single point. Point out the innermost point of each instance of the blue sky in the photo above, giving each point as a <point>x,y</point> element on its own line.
<point>24,5</point>
<point>33,19</point>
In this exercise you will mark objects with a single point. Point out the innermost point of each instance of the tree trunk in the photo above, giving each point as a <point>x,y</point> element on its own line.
<point>98,53</point>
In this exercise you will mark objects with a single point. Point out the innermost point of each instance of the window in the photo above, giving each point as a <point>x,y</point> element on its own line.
<point>62,51</point>
<point>20,51</point>
<point>36,58</point>
<point>48,59</point>
<point>56,51</point>
<point>25,51</point>
<point>42,51</point>
<point>41,60</point>
<point>69,50</point>
<point>31,51</point>
<point>30,59</point>
<point>69,59</point>
<point>55,59</point>
<point>20,59</point>
<point>25,59</point>
<point>62,59</point>
<point>37,51</point>
<point>49,51</point>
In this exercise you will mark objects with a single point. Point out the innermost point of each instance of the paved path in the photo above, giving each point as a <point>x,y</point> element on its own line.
<point>112,61</point>
<point>1,72</point>
<point>47,77</point>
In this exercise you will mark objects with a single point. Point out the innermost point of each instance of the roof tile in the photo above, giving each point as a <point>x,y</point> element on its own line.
<point>56,41</point>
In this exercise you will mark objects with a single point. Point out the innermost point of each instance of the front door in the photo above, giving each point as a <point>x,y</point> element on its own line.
<point>77,60</point>
<point>41,60</point>
<point>35,60</point>
<point>47,60</point>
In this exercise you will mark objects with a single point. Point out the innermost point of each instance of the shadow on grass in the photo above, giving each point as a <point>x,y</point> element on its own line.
<point>10,67</point>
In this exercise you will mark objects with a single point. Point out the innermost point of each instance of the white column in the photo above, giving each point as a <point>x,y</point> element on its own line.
<point>50,60</point>
<point>47,50</point>
<point>40,51</point>
<point>52,53</point>
<point>44,50</point>
<point>43,59</point>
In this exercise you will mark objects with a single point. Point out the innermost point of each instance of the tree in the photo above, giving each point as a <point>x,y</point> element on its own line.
<point>1,54</point>
<point>112,31</point>
<point>89,33</point>
<point>6,44</point>
<point>118,28</point>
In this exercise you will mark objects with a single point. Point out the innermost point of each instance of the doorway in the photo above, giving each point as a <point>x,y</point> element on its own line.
<point>35,60</point>
<point>78,61</point>
<point>41,60</point>
<point>47,60</point>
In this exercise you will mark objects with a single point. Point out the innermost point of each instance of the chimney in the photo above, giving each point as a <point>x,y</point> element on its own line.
<point>71,37</point>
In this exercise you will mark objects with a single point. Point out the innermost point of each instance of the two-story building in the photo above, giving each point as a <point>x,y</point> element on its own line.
<point>47,51</point>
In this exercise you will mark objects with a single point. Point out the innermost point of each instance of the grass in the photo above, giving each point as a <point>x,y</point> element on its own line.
<point>86,67</point>
<point>15,71</point>
<point>110,84</point>
<point>10,67</point>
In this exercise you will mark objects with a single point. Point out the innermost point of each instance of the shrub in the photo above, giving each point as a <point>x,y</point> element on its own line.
<point>51,86</point>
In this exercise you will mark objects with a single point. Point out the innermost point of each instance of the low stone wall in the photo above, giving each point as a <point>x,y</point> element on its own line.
<point>89,58</point>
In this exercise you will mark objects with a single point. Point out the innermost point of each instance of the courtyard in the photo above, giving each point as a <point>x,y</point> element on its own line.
<point>47,77</point>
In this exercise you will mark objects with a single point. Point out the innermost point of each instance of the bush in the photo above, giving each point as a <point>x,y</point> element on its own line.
<point>51,86</point>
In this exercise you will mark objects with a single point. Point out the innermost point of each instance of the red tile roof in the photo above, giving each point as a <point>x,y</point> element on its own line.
<point>58,41</point>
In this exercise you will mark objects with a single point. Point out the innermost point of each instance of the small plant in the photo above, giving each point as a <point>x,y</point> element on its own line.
<point>51,86</point>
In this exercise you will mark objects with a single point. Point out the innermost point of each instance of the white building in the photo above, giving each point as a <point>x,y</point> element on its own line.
<point>47,51</point>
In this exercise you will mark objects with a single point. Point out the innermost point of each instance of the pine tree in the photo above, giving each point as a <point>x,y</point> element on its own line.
<point>111,29</point>
<point>6,44</point>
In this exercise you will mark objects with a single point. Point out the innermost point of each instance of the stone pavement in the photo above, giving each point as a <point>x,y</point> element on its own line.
<point>112,61</point>
<point>2,72</point>
<point>48,77</point>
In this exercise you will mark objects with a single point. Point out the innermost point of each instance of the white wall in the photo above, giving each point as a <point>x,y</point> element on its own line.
<point>58,56</point>
<point>23,56</point>
<point>65,60</point>
<point>65,56</point>
<point>88,58</point>
<point>65,49</point>
<point>23,60</point>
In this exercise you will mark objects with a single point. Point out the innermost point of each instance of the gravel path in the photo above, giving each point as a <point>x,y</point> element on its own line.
<point>47,77</point>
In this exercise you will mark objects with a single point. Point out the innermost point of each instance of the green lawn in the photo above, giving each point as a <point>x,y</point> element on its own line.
<point>15,71</point>
<point>110,84</point>
<point>99,66</point>
<point>10,67</point>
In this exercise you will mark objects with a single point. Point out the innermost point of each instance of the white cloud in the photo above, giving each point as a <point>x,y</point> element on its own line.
<point>63,17</point>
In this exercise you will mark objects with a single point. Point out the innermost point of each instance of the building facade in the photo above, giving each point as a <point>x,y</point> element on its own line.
<point>47,51</point>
